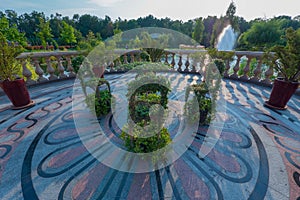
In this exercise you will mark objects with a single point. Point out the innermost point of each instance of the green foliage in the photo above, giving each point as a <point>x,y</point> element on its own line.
<point>147,103</point>
<point>100,103</point>
<point>29,23</point>
<point>223,55</point>
<point>220,65</point>
<point>198,30</point>
<point>44,32</point>
<point>76,62</point>
<point>199,105</point>
<point>90,42</point>
<point>155,54</point>
<point>287,58</point>
<point>137,142</point>
<point>9,66</point>
<point>11,33</point>
<point>141,107</point>
<point>261,35</point>
<point>67,35</point>
<point>128,66</point>
<point>147,84</point>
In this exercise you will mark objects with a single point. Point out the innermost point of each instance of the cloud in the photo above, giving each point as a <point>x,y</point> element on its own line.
<point>105,3</point>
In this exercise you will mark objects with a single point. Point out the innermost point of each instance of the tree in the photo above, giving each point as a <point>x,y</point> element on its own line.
<point>68,34</point>
<point>231,10</point>
<point>198,31</point>
<point>261,35</point>
<point>44,32</point>
<point>28,24</point>
<point>230,15</point>
<point>11,33</point>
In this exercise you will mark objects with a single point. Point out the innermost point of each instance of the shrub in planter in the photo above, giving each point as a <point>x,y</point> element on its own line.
<point>100,101</point>
<point>143,93</point>
<point>286,61</point>
<point>14,87</point>
<point>137,142</point>
<point>220,65</point>
<point>199,106</point>
<point>147,103</point>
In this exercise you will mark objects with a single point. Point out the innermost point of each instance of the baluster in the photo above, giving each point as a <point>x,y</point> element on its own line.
<point>125,59</point>
<point>236,67</point>
<point>70,67</point>
<point>60,67</point>
<point>246,69</point>
<point>187,64</point>
<point>193,67</point>
<point>227,67</point>
<point>39,71</point>
<point>166,59</point>
<point>268,74</point>
<point>50,69</point>
<point>257,71</point>
<point>202,71</point>
<point>180,63</point>
<point>27,73</point>
<point>118,63</point>
<point>132,57</point>
<point>173,61</point>
<point>111,66</point>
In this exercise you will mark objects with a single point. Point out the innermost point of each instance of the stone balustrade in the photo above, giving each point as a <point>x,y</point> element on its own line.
<point>48,66</point>
<point>244,66</point>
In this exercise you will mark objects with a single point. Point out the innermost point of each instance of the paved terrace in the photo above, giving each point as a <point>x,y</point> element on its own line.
<point>256,157</point>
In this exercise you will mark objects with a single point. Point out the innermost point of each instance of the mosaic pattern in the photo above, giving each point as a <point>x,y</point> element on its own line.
<point>42,157</point>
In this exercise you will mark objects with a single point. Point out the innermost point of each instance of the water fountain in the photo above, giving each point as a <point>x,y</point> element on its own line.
<point>227,39</point>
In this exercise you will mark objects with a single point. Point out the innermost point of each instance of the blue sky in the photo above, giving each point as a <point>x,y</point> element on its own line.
<point>175,9</point>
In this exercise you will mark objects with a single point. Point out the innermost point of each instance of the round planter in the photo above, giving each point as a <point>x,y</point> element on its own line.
<point>99,71</point>
<point>281,93</point>
<point>17,92</point>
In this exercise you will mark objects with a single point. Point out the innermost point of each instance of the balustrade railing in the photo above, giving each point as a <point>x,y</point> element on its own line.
<point>47,66</point>
<point>244,66</point>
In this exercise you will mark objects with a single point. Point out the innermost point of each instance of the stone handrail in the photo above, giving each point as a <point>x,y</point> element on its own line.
<point>245,65</point>
<point>49,59</point>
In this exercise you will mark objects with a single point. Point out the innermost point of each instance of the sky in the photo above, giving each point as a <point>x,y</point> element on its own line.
<point>174,9</point>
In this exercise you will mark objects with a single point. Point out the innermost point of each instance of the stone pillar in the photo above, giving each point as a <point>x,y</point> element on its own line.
<point>257,71</point>
<point>132,57</point>
<point>268,74</point>
<point>39,71</point>
<point>70,68</point>
<point>173,61</point>
<point>180,63</point>
<point>227,67</point>
<point>166,58</point>
<point>125,59</point>
<point>50,69</point>
<point>60,67</point>
<point>236,67</point>
<point>27,73</point>
<point>187,64</point>
<point>246,70</point>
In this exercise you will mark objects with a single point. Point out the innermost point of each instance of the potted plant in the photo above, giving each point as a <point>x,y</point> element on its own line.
<point>201,102</point>
<point>100,101</point>
<point>286,61</point>
<point>13,87</point>
<point>148,99</point>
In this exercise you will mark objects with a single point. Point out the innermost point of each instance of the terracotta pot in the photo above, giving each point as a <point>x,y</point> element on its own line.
<point>17,92</point>
<point>99,71</point>
<point>281,93</point>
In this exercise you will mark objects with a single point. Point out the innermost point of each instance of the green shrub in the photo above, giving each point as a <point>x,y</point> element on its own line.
<point>76,62</point>
<point>100,103</point>
<point>199,106</point>
<point>137,142</point>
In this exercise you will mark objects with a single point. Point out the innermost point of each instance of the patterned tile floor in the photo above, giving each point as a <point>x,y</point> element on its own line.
<point>257,155</point>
